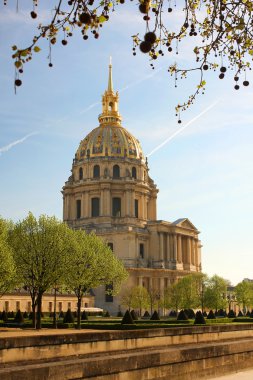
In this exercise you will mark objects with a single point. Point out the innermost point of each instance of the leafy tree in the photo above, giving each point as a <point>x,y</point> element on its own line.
<point>219,31</point>
<point>126,298</point>
<point>186,293</point>
<point>215,292</point>
<point>40,249</point>
<point>90,265</point>
<point>140,298</point>
<point>7,265</point>
<point>244,294</point>
<point>153,298</point>
<point>173,296</point>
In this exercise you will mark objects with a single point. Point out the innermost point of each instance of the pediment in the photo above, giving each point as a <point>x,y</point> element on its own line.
<point>185,223</point>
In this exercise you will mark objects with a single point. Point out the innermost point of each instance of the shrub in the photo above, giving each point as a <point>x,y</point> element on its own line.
<point>4,316</point>
<point>155,316</point>
<point>120,314</point>
<point>248,314</point>
<point>127,319</point>
<point>231,314</point>
<point>211,315</point>
<point>30,315</point>
<point>25,315</point>
<point>134,315</point>
<point>84,316</point>
<point>251,314</point>
<point>69,317</point>
<point>240,314</point>
<point>61,314</point>
<point>173,314</point>
<point>146,314</point>
<point>221,313</point>
<point>204,314</point>
<point>107,314</point>
<point>190,313</point>
<point>182,316</point>
<point>19,317</point>
<point>199,319</point>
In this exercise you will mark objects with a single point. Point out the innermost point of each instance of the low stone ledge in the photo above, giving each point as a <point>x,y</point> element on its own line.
<point>56,339</point>
<point>192,361</point>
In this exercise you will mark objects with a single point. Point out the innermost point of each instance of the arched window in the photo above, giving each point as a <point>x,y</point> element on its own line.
<point>96,171</point>
<point>78,208</point>
<point>80,173</point>
<point>134,172</point>
<point>110,106</point>
<point>116,207</point>
<point>95,207</point>
<point>116,171</point>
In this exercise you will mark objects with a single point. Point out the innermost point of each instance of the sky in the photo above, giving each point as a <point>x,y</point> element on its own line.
<point>204,171</point>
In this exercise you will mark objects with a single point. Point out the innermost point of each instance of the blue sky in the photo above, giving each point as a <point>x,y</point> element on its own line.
<point>204,173</point>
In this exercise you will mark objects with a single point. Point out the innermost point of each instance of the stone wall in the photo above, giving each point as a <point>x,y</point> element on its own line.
<point>188,352</point>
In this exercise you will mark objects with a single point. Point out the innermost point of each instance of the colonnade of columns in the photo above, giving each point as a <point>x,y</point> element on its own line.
<point>181,249</point>
<point>105,195</point>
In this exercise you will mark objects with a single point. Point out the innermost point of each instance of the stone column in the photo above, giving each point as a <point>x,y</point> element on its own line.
<point>175,247</point>
<point>188,253</point>
<point>161,247</point>
<point>196,252</point>
<point>86,205</point>
<point>126,203</point>
<point>82,205</point>
<point>143,206</point>
<point>140,278</point>
<point>192,252</point>
<point>179,248</point>
<point>102,211</point>
<point>168,258</point>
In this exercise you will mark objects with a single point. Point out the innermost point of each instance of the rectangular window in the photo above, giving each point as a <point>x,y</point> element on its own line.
<point>50,307</point>
<point>29,307</point>
<point>78,208</point>
<point>17,305</point>
<point>108,297</point>
<point>60,306</point>
<point>6,306</point>
<point>116,207</point>
<point>136,208</point>
<point>69,305</point>
<point>110,245</point>
<point>86,304</point>
<point>94,207</point>
<point>142,251</point>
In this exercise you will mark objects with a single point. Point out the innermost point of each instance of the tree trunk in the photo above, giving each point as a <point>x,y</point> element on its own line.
<point>34,314</point>
<point>39,305</point>
<point>79,303</point>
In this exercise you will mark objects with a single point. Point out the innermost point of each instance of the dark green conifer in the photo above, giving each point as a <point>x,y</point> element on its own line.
<point>155,316</point>
<point>127,319</point>
<point>182,316</point>
<point>69,317</point>
<point>199,319</point>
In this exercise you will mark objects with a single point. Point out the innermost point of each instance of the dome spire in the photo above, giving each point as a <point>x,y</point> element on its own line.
<point>110,104</point>
<point>110,84</point>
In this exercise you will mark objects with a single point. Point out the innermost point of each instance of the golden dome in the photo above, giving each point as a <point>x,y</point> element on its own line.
<point>109,141</point>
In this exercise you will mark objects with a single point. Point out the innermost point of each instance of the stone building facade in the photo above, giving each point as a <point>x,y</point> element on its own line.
<point>111,193</point>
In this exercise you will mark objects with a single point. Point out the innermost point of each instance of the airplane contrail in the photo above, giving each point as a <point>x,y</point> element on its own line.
<point>182,128</point>
<point>20,141</point>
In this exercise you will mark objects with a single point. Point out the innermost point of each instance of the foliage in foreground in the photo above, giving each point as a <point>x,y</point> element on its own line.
<point>219,32</point>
